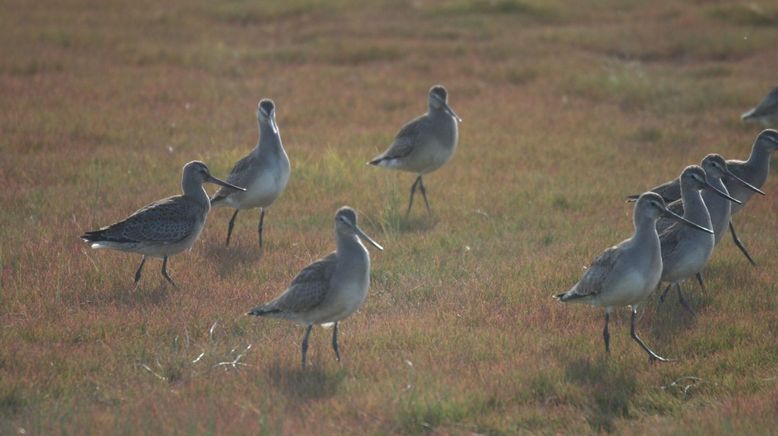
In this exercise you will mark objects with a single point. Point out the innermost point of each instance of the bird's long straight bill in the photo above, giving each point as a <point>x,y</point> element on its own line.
<point>273,124</point>
<point>723,194</point>
<point>367,238</point>
<point>744,183</point>
<point>675,216</point>
<point>220,182</point>
<point>451,112</point>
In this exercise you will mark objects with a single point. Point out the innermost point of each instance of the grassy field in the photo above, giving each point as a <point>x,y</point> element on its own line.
<point>567,107</point>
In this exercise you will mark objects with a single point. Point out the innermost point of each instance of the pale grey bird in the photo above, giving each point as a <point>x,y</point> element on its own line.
<point>766,112</point>
<point>685,250</point>
<point>164,227</point>
<point>264,172</point>
<point>719,209</point>
<point>754,171</point>
<point>330,289</point>
<point>626,274</point>
<point>425,143</point>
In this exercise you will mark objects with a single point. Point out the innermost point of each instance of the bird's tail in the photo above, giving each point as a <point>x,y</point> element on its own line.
<point>95,236</point>
<point>261,311</point>
<point>747,115</point>
<point>377,160</point>
<point>567,296</point>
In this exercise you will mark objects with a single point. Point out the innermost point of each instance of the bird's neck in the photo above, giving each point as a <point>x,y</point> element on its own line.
<point>645,229</point>
<point>694,208</point>
<point>269,141</point>
<point>437,112</point>
<point>719,209</point>
<point>195,191</point>
<point>349,244</point>
<point>758,164</point>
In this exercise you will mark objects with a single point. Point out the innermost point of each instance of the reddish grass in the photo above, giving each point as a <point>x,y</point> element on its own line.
<point>566,108</point>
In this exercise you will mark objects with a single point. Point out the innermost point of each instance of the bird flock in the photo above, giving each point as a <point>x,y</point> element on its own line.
<point>677,224</point>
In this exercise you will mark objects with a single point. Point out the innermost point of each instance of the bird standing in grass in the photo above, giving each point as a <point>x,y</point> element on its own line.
<point>720,209</point>
<point>264,172</point>
<point>164,227</point>
<point>754,171</point>
<point>425,143</point>
<point>626,274</point>
<point>685,250</point>
<point>330,289</point>
<point>766,112</point>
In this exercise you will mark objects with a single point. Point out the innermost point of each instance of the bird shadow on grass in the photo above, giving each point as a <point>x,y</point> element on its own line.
<point>610,388</point>
<point>312,383</point>
<point>671,318</point>
<point>231,258</point>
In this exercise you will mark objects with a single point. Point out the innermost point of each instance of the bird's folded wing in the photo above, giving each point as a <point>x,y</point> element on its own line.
<point>239,176</point>
<point>737,168</point>
<point>665,223</point>
<point>592,281</point>
<point>407,138</point>
<point>669,239</point>
<point>308,289</point>
<point>168,220</point>
<point>669,191</point>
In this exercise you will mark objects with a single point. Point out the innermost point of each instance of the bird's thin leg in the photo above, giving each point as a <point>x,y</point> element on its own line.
<point>605,335</point>
<point>651,355</point>
<point>682,299</point>
<point>335,342</point>
<point>424,195</point>
<point>165,273</point>
<point>259,226</point>
<point>413,191</point>
<point>231,225</point>
<point>305,342</point>
<point>702,283</point>
<point>138,271</point>
<point>740,244</point>
<point>664,294</point>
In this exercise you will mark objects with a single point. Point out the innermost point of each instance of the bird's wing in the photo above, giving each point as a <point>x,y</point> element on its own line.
<point>669,239</point>
<point>676,206</point>
<point>665,223</point>
<point>592,281</point>
<point>308,289</point>
<point>406,139</point>
<point>768,105</point>
<point>168,220</point>
<point>670,191</point>
<point>737,168</point>
<point>239,176</point>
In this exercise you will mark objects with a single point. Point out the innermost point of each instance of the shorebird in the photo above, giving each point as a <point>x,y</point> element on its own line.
<point>626,274</point>
<point>330,289</point>
<point>754,171</point>
<point>720,209</point>
<point>717,171</point>
<point>424,144</point>
<point>164,227</point>
<point>685,251</point>
<point>766,112</point>
<point>264,172</point>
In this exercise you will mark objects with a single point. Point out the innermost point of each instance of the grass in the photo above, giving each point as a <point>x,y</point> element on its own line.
<point>567,108</point>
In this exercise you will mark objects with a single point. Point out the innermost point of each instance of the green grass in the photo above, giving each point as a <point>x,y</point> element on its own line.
<point>567,107</point>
